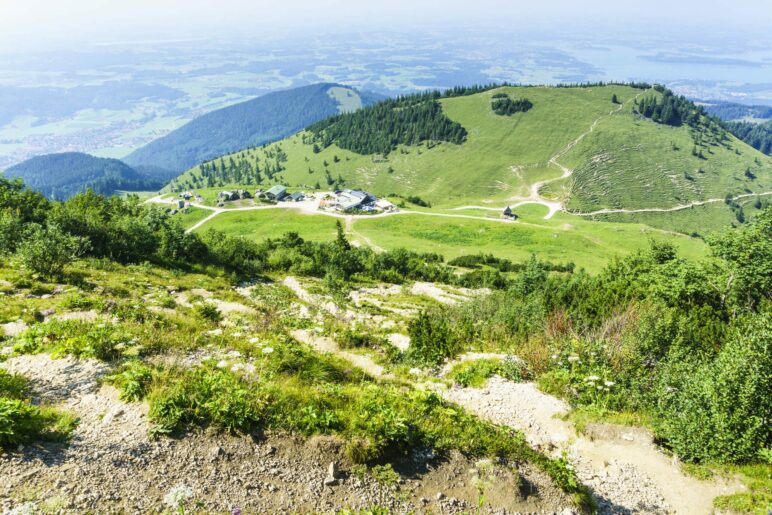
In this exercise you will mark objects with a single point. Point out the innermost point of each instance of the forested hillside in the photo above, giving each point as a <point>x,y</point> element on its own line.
<point>383,127</point>
<point>729,111</point>
<point>60,176</point>
<point>757,135</point>
<point>251,123</point>
<point>589,147</point>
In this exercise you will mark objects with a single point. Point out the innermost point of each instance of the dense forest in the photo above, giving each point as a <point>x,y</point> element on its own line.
<point>251,123</point>
<point>379,129</point>
<point>730,111</point>
<point>60,176</point>
<point>757,135</point>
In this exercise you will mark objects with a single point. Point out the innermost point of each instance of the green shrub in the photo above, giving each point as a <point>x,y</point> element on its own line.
<point>430,339</point>
<point>206,396</point>
<point>82,302</point>
<point>350,339</point>
<point>133,380</point>
<point>22,423</point>
<point>721,410</point>
<point>47,250</point>
<point>13,386</point>
<point>101,341</point>
<point>207,311</point>
<point>474,373</point>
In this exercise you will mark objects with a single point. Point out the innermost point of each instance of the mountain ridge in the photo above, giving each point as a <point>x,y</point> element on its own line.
<point>263,119</point>
<point>62,175</point>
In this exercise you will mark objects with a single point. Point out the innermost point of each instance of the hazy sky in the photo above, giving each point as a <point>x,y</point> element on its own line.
<point>25,22</point>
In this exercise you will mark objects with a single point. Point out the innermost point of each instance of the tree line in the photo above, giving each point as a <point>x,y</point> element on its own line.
<point>381,128</point>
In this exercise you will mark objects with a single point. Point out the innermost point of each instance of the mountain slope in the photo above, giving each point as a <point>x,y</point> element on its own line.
<point>59,176</point>
<point>251,123</point>
<point>573,145</point>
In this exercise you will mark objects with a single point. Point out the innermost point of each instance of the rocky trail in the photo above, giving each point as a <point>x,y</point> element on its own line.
<point>626,471</point>
<point>112,465</point>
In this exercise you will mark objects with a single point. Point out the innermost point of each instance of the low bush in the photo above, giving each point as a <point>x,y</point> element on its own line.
<point>23,423</point>
<point>132,379</point>
<point>206,396</point>
<point>431,340</point>
<point>207,311</point>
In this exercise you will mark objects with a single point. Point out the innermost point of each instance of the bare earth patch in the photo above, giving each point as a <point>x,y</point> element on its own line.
<point>626,473</point>
<point>111,465</point>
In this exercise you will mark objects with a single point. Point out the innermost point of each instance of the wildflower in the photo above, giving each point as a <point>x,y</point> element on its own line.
<point>554,356</point>
<point>415,371</point>
<point>481,464</point>
<point>214,332</point>
<point>592,379</point>
<point>236,511</point>
<point>222,364</point>
<point>609,383</point>
<point>238,367</point>
<point>249,368</point>
<point>254,340</point>
<point>237,335</point>
<point>234,354</point>
<point>177,496</point>
<point>573,358</point>
<point>267,350</point>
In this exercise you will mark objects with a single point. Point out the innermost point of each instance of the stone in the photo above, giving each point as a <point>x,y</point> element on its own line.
<point>440,496</point>
<point>332,474</point>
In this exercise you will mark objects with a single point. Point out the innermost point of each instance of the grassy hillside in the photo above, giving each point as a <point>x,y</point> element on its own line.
<point>629,162</point>
<point>563,238</point>
<point>625,161</point>
<point>254,122</point>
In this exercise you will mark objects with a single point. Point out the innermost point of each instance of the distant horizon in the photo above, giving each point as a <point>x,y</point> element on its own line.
<point>50,24</point>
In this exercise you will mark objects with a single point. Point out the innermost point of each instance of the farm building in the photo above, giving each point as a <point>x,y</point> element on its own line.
<point>295,197</point>
<point>278,192</point>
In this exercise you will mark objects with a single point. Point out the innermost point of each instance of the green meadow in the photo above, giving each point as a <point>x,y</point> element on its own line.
<point>564,238</point>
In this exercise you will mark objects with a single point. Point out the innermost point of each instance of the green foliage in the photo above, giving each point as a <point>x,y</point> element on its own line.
<point>431,340</point>
<point>132,379</point>
<point>46,250</point>
<point>757,135</point>
<point>23,423</point>
<point>474,373</point>
<point>721,410</point>
<point>670,109</point>
<point>60,176</point>
<point>207,311</point>
<point>206,395</point>
<point>748,258</point>
<point>505,106</point>
<point>380,128</point>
